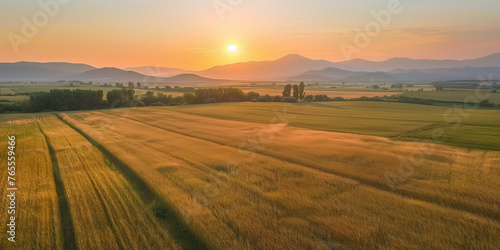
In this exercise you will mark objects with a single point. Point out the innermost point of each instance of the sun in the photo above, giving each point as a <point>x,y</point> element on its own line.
<point>232,48</point>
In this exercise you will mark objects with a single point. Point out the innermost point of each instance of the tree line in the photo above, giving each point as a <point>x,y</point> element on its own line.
<point>294,93</point>
<point>68,100</point>
<point>63,100</point>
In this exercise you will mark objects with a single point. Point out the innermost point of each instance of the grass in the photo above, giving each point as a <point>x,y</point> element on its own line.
<point>6,91</point>
<point>14,98</point>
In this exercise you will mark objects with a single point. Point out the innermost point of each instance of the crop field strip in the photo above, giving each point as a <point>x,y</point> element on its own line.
<point>475,130</point>
<point>457,95</point>
<point>164,187</point>
<point>38,223</point>
<point>106,211</point>
<point>474,201</point>
<point>317,116</point>
<point>68,228</point>
<point>252,178</point>
<point>164,212</point>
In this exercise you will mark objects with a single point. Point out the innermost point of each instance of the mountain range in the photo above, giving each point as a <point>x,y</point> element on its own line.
<point>33,71</point>
<point>288,68</point>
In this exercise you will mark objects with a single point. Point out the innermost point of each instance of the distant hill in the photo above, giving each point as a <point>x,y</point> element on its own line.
<point>108,75</point>
<point>190,79</point>
<point>407,63</point>
<point>311,78</point>
<point>334,74</point>
<point>482,62</point>
<point>326,74</point>
<point>372,77</point>
<point>279,69</point>
<point>119,75</point>
<point>409,75</point>
<point>157,71</point>
<point>33,71</point>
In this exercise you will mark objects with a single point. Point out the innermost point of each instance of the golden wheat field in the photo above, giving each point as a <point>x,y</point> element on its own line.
<point>168,178</point>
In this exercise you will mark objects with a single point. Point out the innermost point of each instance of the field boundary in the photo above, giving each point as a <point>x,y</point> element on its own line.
<point>67,226</point>
<point>164,211</point>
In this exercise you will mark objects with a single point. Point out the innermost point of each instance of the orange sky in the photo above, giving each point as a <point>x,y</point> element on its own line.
<point>193,34</point>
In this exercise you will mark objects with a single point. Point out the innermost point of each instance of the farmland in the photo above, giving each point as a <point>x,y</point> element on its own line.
<point>457,95</point>
<point>329,90</point>
<point>20,92</point>
<point>257,175</point>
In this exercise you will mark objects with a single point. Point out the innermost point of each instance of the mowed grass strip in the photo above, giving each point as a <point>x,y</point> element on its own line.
<point>466,180</point>
<point>38,223</point>
<point>270,203</point>
<point>106,211</point>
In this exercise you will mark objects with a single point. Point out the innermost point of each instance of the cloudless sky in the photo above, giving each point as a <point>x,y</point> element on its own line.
<point>191,34</point>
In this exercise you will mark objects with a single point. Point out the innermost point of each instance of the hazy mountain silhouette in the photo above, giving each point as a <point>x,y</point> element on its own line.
<point>108,75</point>
<point>119,75</point>
<point>407,63</point>
<point>329,73</point>
<point>372,77</point>
<point>157,71</point>
<point>338,75</point>
<point>279,69</point>
<point>293,67</point>
<point>33,71</point>
<point>412,75</point>
<point>311,78</point>
<point>190,79</point>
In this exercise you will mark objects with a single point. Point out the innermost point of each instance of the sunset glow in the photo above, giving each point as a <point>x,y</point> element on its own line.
<point>193,35</point>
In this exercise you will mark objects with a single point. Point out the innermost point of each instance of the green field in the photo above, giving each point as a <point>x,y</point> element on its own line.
<point>458,95</point>
<point>256,175</point>
<point>469,128</point>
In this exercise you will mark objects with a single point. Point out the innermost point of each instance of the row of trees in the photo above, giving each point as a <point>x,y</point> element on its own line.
<point>298,91</point>
<point>212,95</point>
<point>160,99</point>
<point>63,100</point>
<point>77,99</point>
<point>121,97</point>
